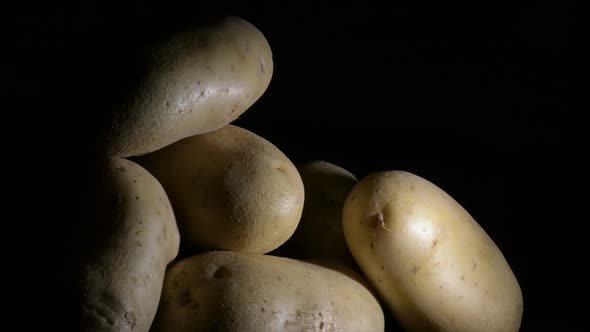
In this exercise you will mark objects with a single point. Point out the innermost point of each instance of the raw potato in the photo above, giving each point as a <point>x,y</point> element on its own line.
<point>231,190</point>
<point>319,234</point>
<point>429,260</point>
<point>230,291</point>
<point>196,82</point>
<point>129,244</point>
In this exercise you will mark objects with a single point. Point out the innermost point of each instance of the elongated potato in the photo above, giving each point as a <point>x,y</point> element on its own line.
<point>429,260</point>
<point>129,244</point>
<point>230,291</point>
<point>319,233</point>
<point>231,190</point>
<point>195,82</point>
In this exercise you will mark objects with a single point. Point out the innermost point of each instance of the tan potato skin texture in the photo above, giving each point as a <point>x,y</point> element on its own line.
<point>135,238</point>
<point>231,190</point>
<point>230,291</point>
<point>319,233</point>
<point>196,82</point>
<point>428,259</point>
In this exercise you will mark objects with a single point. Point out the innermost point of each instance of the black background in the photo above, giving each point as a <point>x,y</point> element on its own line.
<point>477,99</point>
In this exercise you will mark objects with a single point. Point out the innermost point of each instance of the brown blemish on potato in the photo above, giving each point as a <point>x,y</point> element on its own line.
<point>434,243</point>
<point>462,277</point>
<point>222,272</point>
<point>262,309</point>
<point>474,267</point>
<point>120,169</point>
<point>137,198</point>
<point>130,319</point>
<point>196,306</point>
<point>382,267</point>
<point>415,269</point>
<point>262,69</point>
<point>185,298</point>
<point>321,325</point>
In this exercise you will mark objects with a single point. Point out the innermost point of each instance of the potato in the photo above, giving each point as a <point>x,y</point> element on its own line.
<point>231,190</point>
<point>428,259</point>
<point>129,242</point>
<point>194,82</point>
<point>319,234</point>
<point>231,291</point>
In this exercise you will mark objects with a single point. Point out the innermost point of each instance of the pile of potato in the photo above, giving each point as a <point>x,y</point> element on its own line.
<point>266,245</point>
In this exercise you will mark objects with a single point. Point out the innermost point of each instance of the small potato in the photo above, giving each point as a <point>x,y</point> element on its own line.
<point>428,259</point>
<point>230,189</point>
<point>230,291</point>
<point>319,234</point>
<point>195,82</point>
<point>130,236</point>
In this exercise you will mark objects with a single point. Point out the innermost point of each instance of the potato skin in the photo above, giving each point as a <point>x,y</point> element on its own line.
<point>428,259</point>
<point>231,291</point>
<point>195,82</point>
<point>129,243</point>
<point>231,190</point>
<point>319,233</point>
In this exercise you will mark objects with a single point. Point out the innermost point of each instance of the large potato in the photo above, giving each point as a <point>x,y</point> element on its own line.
<point>429,260</point>
<point>231,190</point>
<point>230,291</point>
<point>319,233</point>
<point>194,82</point>
<point>130,238</point>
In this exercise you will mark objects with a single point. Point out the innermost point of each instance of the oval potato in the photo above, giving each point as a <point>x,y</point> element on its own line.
<point>129,243</point>
<point>231,190</point>
<point>230,291</point>
<point>319,233</point>
<point>428,259</point>
<point>195,82</point>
